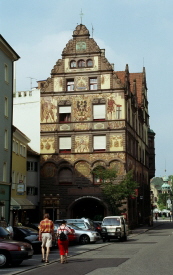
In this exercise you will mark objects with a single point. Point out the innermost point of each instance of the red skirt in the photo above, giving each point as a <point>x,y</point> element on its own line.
<point>63,247</point>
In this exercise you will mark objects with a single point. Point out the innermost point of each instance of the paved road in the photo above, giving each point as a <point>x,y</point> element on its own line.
<point>147,253</point>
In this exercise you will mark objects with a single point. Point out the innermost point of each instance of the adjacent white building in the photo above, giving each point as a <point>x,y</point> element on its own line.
<point>26,115</point>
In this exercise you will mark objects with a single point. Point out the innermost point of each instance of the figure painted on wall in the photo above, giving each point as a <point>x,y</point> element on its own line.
<point>48,111</point>
<point>81,144</point>
<point>111,109</point>
<point>116,142</point>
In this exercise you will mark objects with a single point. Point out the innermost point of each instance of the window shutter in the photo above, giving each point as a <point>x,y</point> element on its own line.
<point>64,109</point>
<point>64,143</point>
<point>99,142</point>
<point>99,111</point>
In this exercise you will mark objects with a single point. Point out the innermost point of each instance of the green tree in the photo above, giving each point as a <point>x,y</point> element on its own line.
<point>162,200</point>
<point>115,191</point>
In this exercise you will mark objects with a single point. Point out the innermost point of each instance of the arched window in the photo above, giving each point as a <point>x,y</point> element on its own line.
<point>65,176</point>
<point>73,64</point>
<point>81,63</point>
<point>96,178</point>
<point>89,63</point>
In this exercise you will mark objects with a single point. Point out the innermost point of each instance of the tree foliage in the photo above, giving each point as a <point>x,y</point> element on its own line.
<point>115,193</point>
<point>162,201</point>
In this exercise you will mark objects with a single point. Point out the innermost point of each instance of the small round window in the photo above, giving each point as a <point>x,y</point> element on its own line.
<point>89,63</point>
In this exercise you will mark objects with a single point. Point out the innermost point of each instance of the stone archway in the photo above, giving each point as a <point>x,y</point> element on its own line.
<point>88,207</point>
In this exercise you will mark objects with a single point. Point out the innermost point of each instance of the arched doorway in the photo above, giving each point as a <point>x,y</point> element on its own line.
<point>88,207</point>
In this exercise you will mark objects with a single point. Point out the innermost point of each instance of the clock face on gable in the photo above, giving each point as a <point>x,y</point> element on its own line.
<point>81,46</point>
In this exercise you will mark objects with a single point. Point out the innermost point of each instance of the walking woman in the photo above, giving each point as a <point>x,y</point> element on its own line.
<point>62,233</point>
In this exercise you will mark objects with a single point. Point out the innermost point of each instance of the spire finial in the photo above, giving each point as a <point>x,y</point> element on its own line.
<point>81,14</point>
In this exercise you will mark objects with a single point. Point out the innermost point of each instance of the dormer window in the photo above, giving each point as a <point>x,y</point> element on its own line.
<point>73,64</point>
<point>81,63</point>
<point>89,63</point>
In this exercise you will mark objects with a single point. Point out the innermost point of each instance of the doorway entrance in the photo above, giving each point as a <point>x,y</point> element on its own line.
<point>88,208</point>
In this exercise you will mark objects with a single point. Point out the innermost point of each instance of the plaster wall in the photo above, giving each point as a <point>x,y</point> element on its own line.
<point>26,116</point>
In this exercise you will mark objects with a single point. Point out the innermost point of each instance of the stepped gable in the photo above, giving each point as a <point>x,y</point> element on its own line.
<point>81,42</point>
<point>81,30</point>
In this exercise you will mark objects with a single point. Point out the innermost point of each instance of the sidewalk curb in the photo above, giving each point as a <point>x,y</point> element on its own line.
<point>143,230</point>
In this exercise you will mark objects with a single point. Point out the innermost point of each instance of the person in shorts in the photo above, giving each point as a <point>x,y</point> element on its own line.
<point>46,232</point>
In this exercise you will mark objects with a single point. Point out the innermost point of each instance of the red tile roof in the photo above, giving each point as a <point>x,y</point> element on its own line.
<point>132,76</point>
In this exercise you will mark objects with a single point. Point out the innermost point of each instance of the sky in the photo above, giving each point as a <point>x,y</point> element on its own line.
<point>134,32</point>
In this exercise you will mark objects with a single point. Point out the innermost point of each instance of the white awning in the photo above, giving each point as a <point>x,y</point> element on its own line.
<point>21,204</point>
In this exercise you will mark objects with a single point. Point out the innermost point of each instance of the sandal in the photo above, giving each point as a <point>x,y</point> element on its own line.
<point>47,262</point>
<point>43,260</point>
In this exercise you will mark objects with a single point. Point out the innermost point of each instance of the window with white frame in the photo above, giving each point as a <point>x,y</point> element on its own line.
<point>64,114</point>
<point>32,166</point>
<point>99,143</point>
<point>5,172</point>
<point>24,151</point>
<point>14,145</point>
<point>73,64</point>
<point>6,139</point>
<point>6,72</point>
<point>93,83</point>
<point>32,191</point>
<point>81,63</point>
<point>64,144</point>
<point>6,107</point>
<point>13,180</point>
<point>70,84</point>
<point>21,149</point>
<point>17,147</point>
<point>118,111</point>
<point>89,63</point>
<point>99,112</point>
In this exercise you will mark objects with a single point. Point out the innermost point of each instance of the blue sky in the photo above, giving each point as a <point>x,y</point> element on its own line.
<point>133,32</point>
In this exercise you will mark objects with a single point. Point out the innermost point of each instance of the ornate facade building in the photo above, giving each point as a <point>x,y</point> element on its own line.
<point>92,116</point>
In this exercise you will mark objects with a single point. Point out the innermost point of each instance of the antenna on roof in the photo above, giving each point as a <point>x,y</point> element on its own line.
<point>81,14</point>
<point>92,30</point>
<point>31,78</point>
<point>143,61</point>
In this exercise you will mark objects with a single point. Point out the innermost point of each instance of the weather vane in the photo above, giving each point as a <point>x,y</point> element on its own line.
<point>81,14</point>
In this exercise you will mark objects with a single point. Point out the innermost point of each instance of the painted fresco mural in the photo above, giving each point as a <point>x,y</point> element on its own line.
<point>48,110</point>
<point>81,144</point>
<point>48,170</point>
<point>116,142</point>
<point>83,169</point>
<point>58,84</point>
<point>105,81</point>
<point>118,166</point>
<point>47,145</point>
<point>48,127</point>
<point>81,108</point>
<point>81,83</point>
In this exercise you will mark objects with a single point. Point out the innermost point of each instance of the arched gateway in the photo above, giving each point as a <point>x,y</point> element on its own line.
<point>87,206</point>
